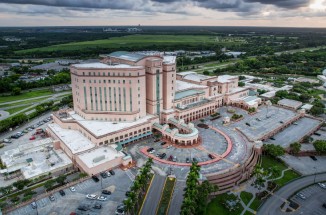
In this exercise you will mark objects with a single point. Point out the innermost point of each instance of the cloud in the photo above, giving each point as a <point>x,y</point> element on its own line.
<point>289,4</point>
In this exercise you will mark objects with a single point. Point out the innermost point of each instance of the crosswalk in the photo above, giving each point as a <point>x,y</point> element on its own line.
<point>130,175</point>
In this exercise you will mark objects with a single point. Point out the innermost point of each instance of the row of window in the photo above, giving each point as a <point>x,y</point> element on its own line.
<point>107,74</point>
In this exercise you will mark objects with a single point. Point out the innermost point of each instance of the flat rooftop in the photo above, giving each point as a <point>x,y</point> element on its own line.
<point>73,139</point>
<point>99,128</point>
<point>35,159</point>
<point>193,76</point>
<point>99,156</point>
<point>104,66</point>
<point>182,85</point>
<point>290,103</point>
<point>187,93</point>
<point>225,78</point>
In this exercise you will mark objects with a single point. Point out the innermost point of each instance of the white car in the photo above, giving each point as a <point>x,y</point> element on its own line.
<point>91,196</point>
<point>322,185</point>
<point>101,198</point>
<point>108,173</point>
<point>6,140</point>
<point>301,196</point>
<point>152,151</point>
<point>72,189</point>
<point>169,146</point>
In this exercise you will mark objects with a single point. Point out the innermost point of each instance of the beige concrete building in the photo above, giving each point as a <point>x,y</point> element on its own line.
<point>123,98</point>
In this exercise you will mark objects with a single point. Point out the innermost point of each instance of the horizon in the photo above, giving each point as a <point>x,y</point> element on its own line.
<point>233,13</point>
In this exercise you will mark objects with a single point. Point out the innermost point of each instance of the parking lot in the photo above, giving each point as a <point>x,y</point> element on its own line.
<point>305,165</point>
<point>264,121</point>
<point>117,184</point>
<point>315,197</point>
<point>294,132</point>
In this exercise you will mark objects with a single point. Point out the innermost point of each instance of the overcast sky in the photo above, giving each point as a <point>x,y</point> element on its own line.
<point>292,13</point>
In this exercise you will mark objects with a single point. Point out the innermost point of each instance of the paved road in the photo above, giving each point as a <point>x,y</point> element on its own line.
<point>272,205</point>
<point>153,196</point>
<point>177,198</point>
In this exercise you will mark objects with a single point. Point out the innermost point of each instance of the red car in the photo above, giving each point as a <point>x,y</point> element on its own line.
<point>32,138</point>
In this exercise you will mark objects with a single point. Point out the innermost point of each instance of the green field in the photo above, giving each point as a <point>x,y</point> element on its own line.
<point>28,102</point>
<point>16,109</point>
<point>27,95</point>
<point>215,207</point>
<point>131,41</point>
<point>246,197</point>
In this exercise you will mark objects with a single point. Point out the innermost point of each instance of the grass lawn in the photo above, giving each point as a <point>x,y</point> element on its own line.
<point>289,175</point>
<point>131,41</point>
<point>16,109</point>
<point>27,95</point>
<point>246,197</point>
<point>29,102</point>
<point>215,207</point>
<point>163,206</point>
<point>255,204</point>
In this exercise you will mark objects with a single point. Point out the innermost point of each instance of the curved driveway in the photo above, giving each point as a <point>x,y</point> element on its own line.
<point>272,205</point>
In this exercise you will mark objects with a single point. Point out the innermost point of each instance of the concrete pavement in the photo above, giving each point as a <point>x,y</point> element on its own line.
<point>272,205</point>
<point>177,198</point>
<point>153,196</point>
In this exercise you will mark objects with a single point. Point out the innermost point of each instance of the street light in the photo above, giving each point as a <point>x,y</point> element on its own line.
<point>315,174</point>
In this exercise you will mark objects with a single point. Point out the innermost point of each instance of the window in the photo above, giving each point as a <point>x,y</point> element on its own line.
<point>114,81</point>
<point>83,73</point>
<point>94,81</point>
<point>83,80</point>
<point>103,73</point>
<point>104,81</point>
<point>123,81</point>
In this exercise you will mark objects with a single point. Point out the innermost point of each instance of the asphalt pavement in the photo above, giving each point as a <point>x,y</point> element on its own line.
<point>272,205</point>
<point>154,194</point>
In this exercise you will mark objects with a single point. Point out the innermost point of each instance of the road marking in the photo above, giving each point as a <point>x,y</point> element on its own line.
<point>130,175</point>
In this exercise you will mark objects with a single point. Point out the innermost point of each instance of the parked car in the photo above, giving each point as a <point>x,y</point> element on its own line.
<point>150,149</point>
<point>272,138</point>
<point>163,143</point>
<point>15,136</point>
<point>101,198</point>
<point>104,175</point>
<point>106,192</point>
<point>32,138</point>
<point>324,205</point>
<point>318,134</point>
<point>281,122</point>
<point>322,185</point>
<point>82,208</point>
<point>97,206</point>
<point>62,193</point>
<point>170,158</point>
<point>211,156</point>
<point>187,160</point>
<point>108,173</point>
<point>120,210</point>
<point>112,172</point>
<point>301,196</point>
<point>72,189</point>
<point>7,141</point>
<point>174,159</point>
<point>169,146</point>
<point>162,155</point>
<point>247,124</point>
<point>313,158</point>
<point>51,197</point>
<point>95,178</point>
<point>91,196</point>
<point>34,205</point>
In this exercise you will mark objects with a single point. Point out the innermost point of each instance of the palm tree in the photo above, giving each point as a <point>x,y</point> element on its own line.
<point>129,206</point>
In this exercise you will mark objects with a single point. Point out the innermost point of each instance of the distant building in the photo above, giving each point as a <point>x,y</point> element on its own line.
<point>289,103</point>
<point>304,79</point>
<point>234,54</point>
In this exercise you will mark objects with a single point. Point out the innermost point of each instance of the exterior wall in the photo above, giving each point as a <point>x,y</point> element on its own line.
<point>226,180</point>
<point>154,88</point>
<point>113,94</point>
<point>99,168</point>
<point>169,80</point>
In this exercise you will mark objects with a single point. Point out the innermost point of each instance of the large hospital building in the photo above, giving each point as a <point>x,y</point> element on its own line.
<point>127,96</point>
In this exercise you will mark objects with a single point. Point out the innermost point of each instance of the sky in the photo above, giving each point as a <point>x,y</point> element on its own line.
<point>274,13</point>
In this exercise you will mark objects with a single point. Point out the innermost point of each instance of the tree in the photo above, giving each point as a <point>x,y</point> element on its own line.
<point>49,184</point>
<point>16,91</point>
<point>315,110</point>
<point>273,150</point>
<point>61,179</point>
<point>206,72</point>
<point>320,146</point>
<point>21,184</point>
<point>295,148</point>
<point>241,84</point>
